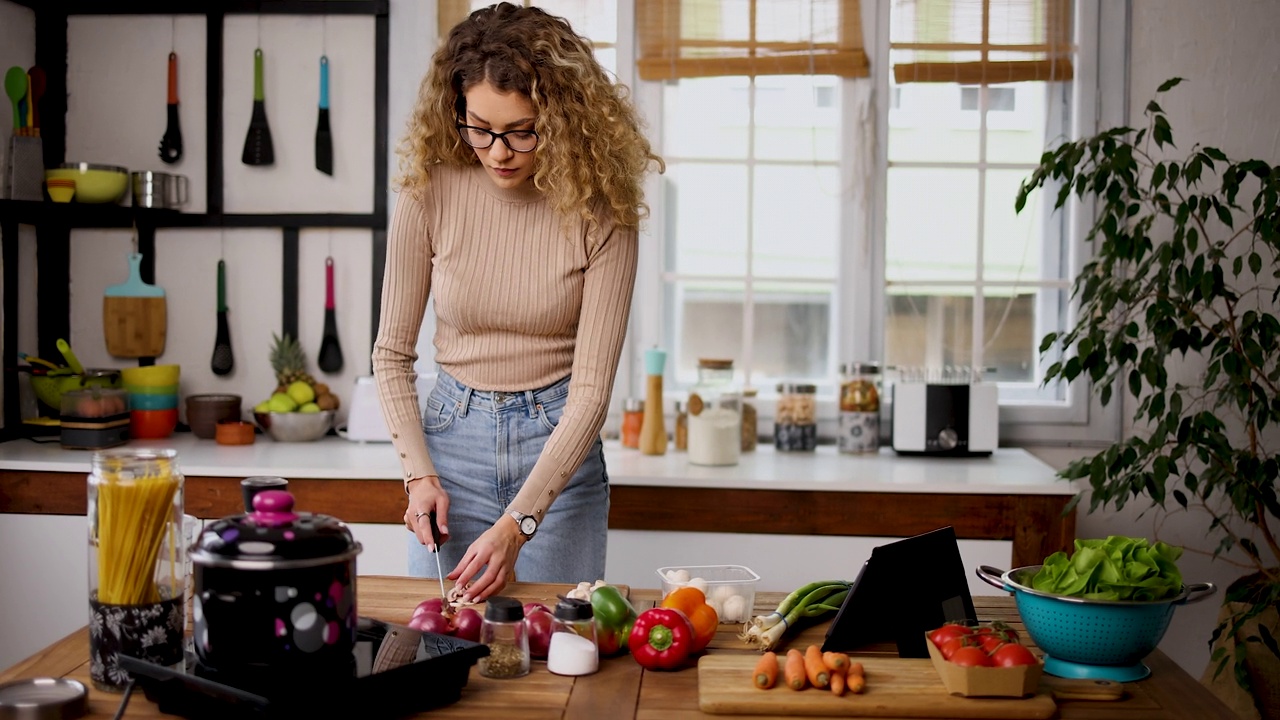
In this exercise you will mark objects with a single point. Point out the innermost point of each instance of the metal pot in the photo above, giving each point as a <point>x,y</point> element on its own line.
<point>159,190</point>
<point>274,604</point>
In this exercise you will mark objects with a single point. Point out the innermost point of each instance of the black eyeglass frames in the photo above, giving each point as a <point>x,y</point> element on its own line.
<point>521,141</point>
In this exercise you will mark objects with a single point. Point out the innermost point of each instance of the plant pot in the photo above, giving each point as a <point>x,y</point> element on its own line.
<point>1262,666</point>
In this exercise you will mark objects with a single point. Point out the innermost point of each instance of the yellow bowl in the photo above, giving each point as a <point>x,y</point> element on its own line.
<point>94,183</point>
<point>151,375</point>
<point>61,189</point>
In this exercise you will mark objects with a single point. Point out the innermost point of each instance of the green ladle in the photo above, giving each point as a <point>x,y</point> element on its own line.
<point>15,86</point>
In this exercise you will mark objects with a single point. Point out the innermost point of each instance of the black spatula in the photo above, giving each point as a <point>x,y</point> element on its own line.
<point>324,141</point>
<point>258,149</point>
<point>171,143</point>
<point>330,358</point>
<point>223,360</point>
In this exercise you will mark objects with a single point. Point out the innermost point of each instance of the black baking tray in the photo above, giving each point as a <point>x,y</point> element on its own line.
<point>417,672</point>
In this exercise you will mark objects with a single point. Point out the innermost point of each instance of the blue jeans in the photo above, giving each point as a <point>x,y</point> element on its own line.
<point>483,445</point>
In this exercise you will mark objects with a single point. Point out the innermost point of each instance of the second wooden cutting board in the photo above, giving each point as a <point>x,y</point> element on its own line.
<point>896,687</point>
<point>134,321</point>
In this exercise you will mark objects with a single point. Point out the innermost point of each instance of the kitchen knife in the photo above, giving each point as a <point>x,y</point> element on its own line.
<point>435,538</point>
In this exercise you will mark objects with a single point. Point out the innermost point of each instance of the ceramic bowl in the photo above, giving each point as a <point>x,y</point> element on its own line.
<point>204,412</point>
<point>152,424</point>
<point>139,401</point>
<point>94,183</point>
<point>295,426</point>
<point>61,190</point>
<point>151,376</point>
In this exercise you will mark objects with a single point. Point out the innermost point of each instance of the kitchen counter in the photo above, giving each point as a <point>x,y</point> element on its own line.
<point>1008,496</point>
<point>622,689</point>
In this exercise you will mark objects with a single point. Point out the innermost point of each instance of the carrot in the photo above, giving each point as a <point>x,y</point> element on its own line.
<point>857,679</point>
<point>836,660</point>
<point>766,672</point>
<point>814,668</point>
<point>793,670</point>
<point>838,682</point>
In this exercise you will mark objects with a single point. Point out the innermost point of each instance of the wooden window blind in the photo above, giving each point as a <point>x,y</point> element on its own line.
<point>981,42</point>
<point>713,38</point>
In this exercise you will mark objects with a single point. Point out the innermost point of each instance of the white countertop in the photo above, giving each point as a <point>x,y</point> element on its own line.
<point>1007,471</point>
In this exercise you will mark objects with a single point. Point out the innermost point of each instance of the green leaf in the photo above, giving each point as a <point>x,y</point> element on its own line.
<point>1216,154</point>
<point>1255,263</point>
<point>1169,84</point>
<point>1224,215</point>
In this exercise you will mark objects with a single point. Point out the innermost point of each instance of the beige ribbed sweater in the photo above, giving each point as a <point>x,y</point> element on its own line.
<point>519,305</point>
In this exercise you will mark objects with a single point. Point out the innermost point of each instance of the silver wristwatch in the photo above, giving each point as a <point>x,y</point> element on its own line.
<point>527,524</point>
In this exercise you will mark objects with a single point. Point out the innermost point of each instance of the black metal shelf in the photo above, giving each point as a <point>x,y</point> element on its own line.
<point>55,221</point>
<point>109,215</point>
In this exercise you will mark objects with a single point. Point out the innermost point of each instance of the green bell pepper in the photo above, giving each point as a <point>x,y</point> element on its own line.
<point>614,617</point>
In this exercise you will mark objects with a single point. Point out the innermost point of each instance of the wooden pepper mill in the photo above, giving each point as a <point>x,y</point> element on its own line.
<point>653,433</point>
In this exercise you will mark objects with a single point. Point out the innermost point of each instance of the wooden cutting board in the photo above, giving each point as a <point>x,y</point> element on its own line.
<point>896,687</point>
<point>134,316</point>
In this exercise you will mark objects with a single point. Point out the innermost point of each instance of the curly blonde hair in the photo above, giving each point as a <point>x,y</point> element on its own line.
<point>591,152</point>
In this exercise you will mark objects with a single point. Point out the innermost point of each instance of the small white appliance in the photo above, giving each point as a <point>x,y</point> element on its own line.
<point>364,419</point>
<point>945,418</point>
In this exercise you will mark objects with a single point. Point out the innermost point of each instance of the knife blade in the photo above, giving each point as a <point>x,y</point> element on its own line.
<point>435,538</point>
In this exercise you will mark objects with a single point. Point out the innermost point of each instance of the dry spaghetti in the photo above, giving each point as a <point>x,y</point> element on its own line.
<point>134,518</point>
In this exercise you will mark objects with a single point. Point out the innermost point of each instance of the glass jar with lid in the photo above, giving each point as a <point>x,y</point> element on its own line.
<point>715,415</point>
<point>859,408</point>
<point>750,420</point>
<point>795,424</point>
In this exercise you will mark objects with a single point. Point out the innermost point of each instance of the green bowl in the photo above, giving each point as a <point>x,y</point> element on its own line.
<point>151,389</point>
<point>94,183</point>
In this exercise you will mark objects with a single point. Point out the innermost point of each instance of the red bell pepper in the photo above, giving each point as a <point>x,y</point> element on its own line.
<point>661,639</point>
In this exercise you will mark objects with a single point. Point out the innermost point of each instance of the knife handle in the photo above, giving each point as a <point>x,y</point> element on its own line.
<point>324,82</point>
<point>435,530</point>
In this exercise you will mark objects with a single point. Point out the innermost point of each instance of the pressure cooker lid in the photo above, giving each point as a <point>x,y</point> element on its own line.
<point>272,534</point>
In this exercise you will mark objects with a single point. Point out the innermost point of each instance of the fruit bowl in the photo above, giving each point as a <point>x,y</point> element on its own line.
<point>295,426</point>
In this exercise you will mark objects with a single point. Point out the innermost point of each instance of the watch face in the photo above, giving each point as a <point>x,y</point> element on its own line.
<point>528,525</point>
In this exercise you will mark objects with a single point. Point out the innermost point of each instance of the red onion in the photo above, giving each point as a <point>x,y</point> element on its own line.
<point>431,621</point>
<point>432,604</point>
<point>538,625</point>
<point>466,624</point>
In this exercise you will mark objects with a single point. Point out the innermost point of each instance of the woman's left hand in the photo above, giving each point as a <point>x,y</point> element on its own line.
<point>495,551</point>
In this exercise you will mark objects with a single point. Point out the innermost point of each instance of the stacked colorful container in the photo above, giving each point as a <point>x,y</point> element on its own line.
<point>153,400</point>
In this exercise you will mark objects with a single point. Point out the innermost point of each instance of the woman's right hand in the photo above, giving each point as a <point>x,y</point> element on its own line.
<point>427,496</point>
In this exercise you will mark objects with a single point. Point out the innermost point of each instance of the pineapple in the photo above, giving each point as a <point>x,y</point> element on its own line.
<point>289,361</point>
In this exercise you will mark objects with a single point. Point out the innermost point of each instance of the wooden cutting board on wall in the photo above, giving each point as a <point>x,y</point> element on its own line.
<point>896,687</point>
<point>134,316</point>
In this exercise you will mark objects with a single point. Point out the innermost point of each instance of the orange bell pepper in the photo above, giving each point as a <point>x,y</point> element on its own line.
<point>693,603</point>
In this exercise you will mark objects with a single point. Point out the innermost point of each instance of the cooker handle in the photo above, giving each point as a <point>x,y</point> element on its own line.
<point>992,576</point>
<point>1205,589</point>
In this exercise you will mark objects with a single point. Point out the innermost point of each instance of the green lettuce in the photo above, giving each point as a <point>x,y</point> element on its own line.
<point>1118,568</point>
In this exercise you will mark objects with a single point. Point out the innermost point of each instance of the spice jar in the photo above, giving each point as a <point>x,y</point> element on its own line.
<point>137,562</point>
<point>572,649</point>
<point>632,421</point>
<point>859,408</point>
<point>795,425</point>
<point>503,630</point>
<point>680,434</point>
<point>715,417</point>
<point>750,420</point>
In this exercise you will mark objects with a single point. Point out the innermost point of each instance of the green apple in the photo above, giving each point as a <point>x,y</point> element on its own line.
<point>309,408</point>
<point>263,407</point>
<point>301,392</point>
<point>282,403</point>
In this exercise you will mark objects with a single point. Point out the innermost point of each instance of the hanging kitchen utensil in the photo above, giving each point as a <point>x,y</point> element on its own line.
<point>223,360</point>
<point>38,81</point>
<point>258,149</point>
<point>171,143</point>
<point>15,86</point>
<point>133,316</point>
<point>330,357</point>
<point>324,140</point>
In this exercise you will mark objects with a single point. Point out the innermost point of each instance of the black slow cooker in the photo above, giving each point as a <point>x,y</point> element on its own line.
<point>274,601</point>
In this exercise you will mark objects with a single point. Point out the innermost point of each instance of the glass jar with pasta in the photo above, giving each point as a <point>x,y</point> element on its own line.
<point>137,562</point>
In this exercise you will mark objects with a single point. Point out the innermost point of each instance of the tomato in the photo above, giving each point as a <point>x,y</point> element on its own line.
<point>946,632</point>
<point>1000,630</point>
<point>989,642</point>
<point>950,647</point>
<point>1011,655</point>
<point>970,656</point>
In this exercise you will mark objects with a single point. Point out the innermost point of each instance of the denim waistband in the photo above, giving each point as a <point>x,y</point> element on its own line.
<point>526,401</point>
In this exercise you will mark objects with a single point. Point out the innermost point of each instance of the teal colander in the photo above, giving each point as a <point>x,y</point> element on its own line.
<point>1091,639</point>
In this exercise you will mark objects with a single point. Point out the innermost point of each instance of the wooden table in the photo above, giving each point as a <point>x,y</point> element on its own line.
<point>622,689</point>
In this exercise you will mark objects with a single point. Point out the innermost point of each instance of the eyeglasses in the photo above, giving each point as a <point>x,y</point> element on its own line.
<point>521,141</point>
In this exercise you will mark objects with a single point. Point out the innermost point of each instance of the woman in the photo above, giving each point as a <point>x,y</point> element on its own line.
<point>518,213</point>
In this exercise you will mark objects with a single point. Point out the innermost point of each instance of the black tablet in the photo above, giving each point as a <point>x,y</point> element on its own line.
<point>904,590</point>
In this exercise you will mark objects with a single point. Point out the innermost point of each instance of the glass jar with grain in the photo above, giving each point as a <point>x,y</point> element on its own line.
<point>795,424</point>
<point>859,408</point>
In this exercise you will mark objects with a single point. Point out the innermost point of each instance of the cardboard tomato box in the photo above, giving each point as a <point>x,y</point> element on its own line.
<point>986,681</point>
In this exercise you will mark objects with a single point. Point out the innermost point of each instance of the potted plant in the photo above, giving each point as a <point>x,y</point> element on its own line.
<point>1184,270</point>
